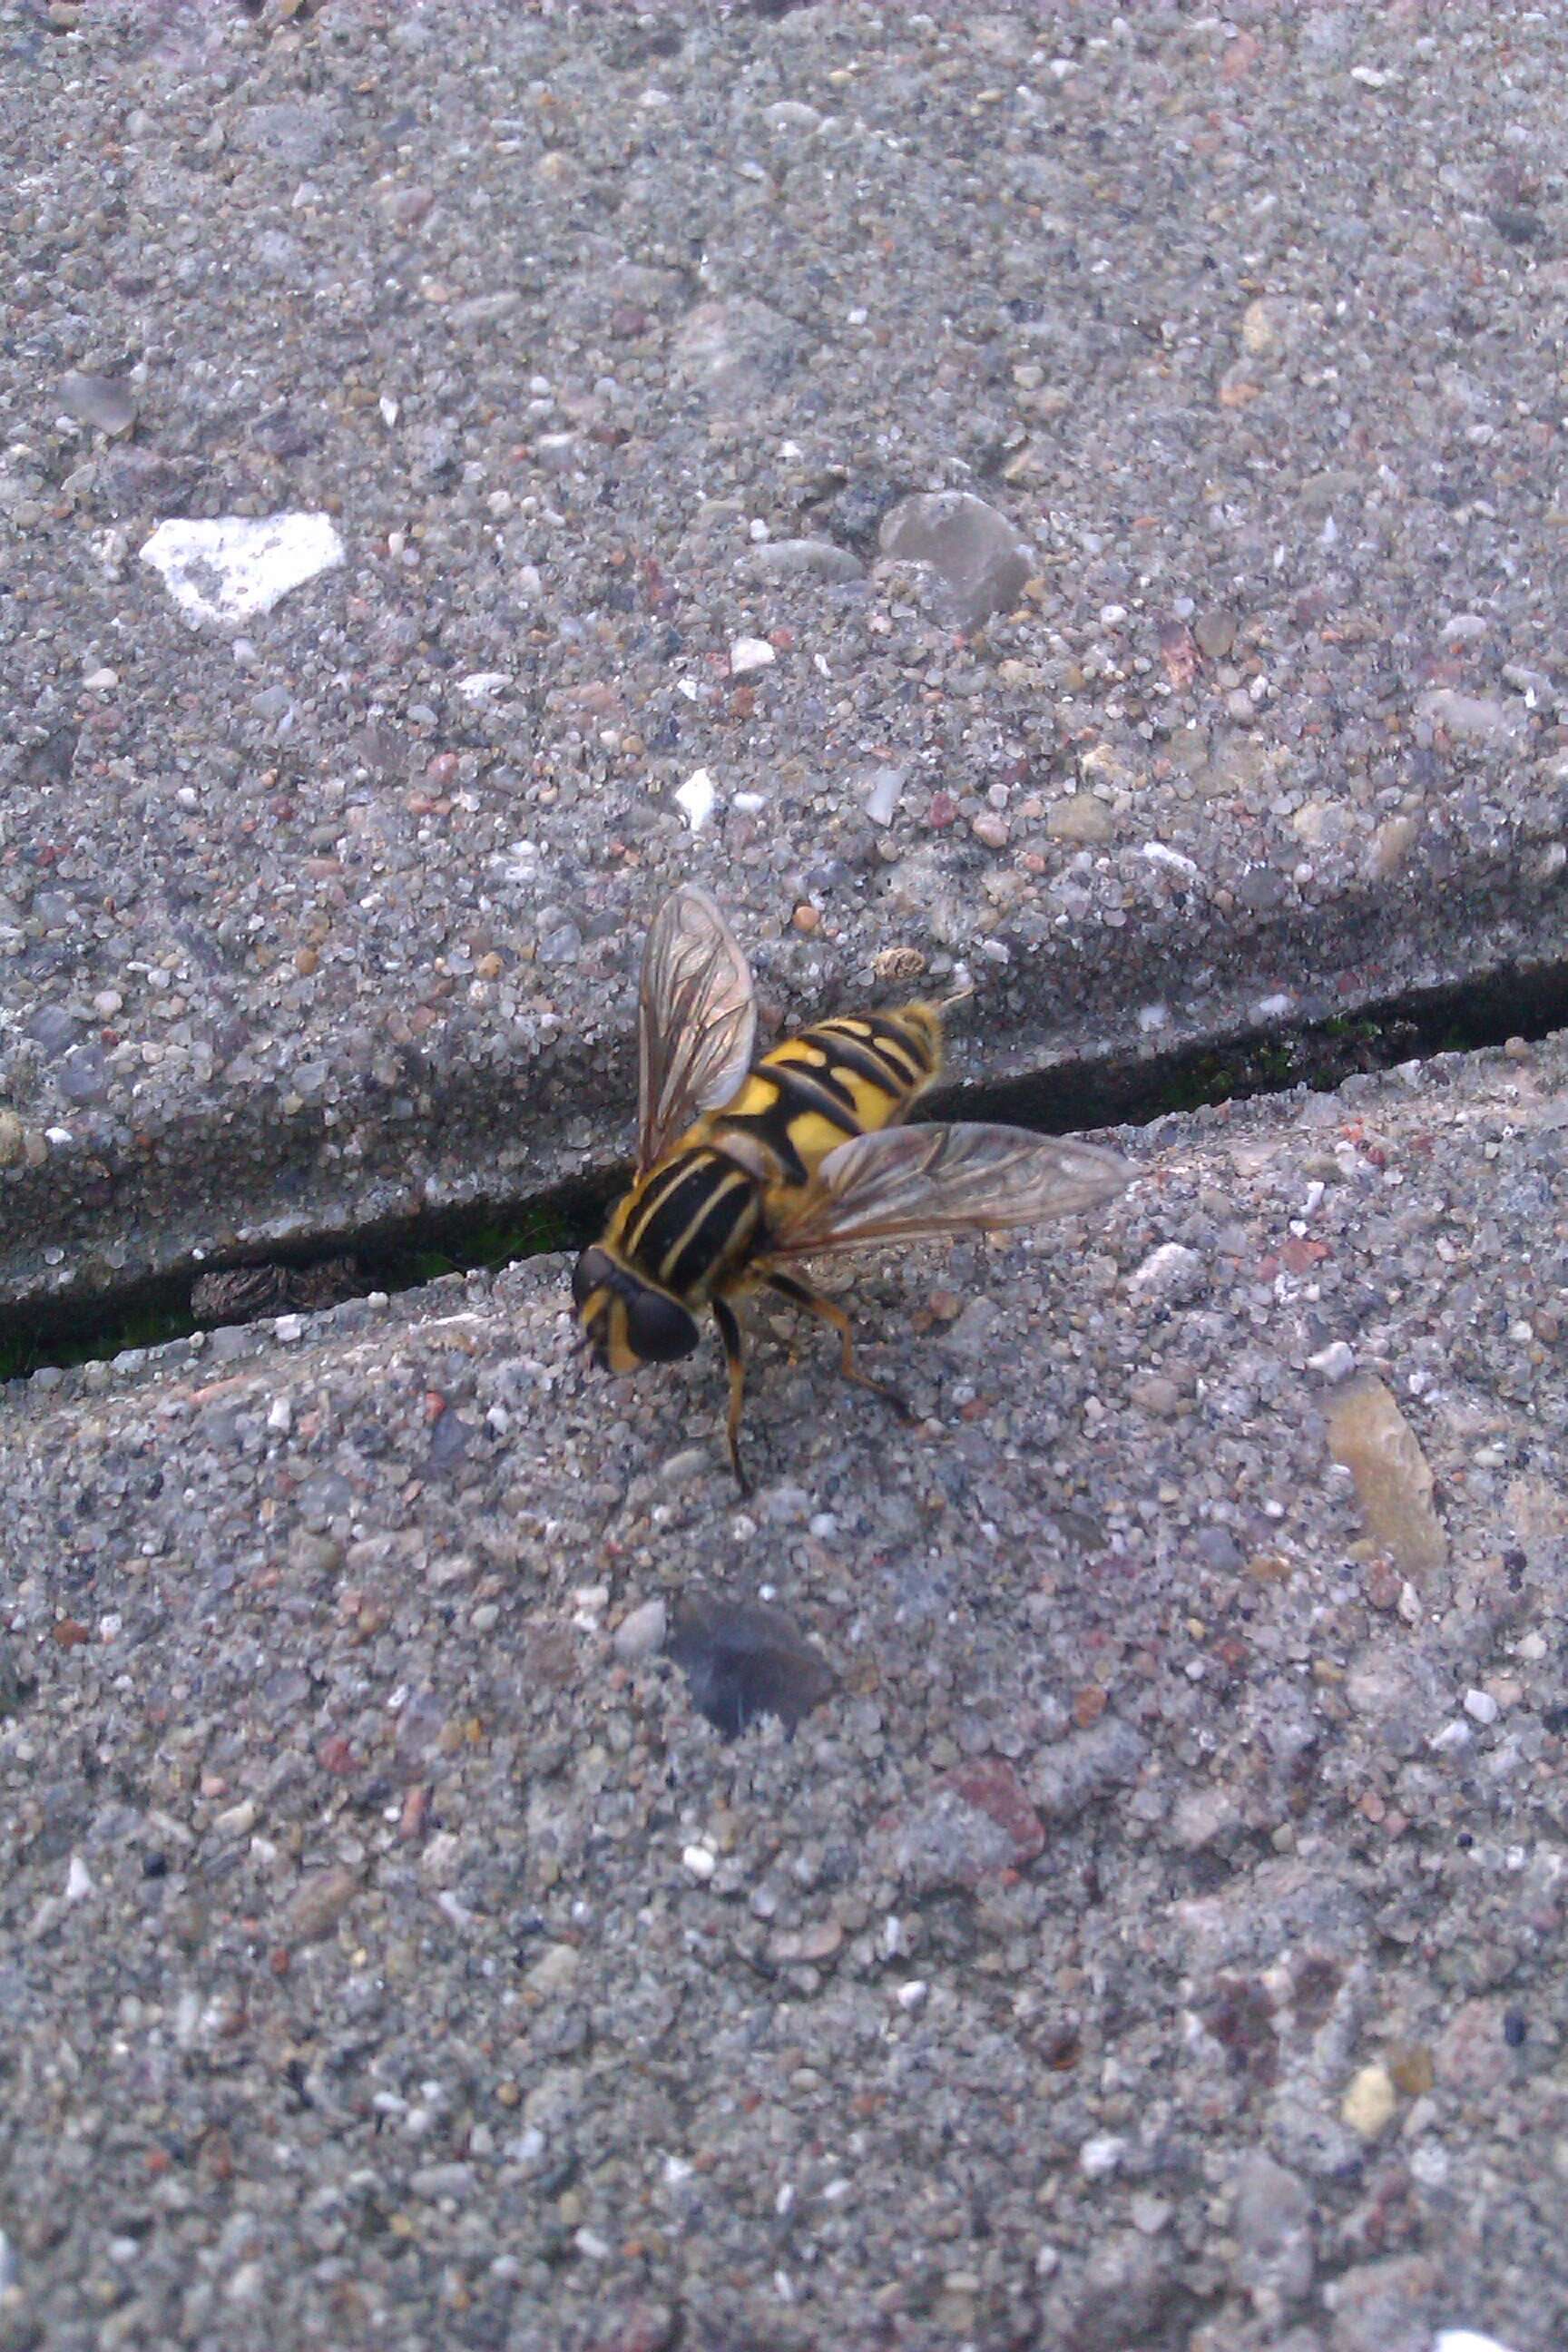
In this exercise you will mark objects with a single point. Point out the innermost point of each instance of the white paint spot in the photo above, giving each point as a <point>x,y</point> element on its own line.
<point>481,684</point>
<point>696,797</point>
<point>1466,2339</point>
<point>226,571</point>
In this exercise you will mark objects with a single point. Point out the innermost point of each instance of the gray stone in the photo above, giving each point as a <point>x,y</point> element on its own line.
<point>105,402</point>
<point>980,557</point>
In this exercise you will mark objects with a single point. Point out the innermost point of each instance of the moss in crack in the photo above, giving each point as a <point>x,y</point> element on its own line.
<point>63,1335</point>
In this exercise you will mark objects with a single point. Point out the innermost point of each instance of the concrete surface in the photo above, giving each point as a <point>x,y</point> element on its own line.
<point>1148,1938</point>
<point>578,323</point>
<point>1151,1943</point>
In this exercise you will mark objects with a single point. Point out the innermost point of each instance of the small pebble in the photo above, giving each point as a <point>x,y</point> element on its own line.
<point>750,655</point>
<point>976,552</point>
<point>641,1632</point>
<point>1370,2104</point>
<point>885,788</point>
<point>105,402</point>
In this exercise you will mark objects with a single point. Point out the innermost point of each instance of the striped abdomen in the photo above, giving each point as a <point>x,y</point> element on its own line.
<point>836,1079</point>
<point>694,1221</point>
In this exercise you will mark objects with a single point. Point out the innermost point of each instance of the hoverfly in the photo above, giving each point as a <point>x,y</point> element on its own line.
<point>742,1171</point>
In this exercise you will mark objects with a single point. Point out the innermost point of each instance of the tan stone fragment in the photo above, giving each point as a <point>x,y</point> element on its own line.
<point>1370,1437</point>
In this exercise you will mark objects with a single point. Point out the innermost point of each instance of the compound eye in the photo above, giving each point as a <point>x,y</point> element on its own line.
<point>592,1272</point>
<point>659,1329</point>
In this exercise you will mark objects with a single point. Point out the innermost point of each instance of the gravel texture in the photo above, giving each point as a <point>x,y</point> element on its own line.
<point>616,345</point>
<point>1148,1941</point>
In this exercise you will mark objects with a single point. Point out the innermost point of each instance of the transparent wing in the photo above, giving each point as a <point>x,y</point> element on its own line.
<point>905,1184</point>
<point>696,1019</point>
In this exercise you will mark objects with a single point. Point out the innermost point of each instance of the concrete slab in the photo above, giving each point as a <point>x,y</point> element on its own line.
<point>1152,1938</point>
<point>614,347</point>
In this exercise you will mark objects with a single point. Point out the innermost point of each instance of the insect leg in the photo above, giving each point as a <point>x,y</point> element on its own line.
<point>825,1312</point>
<point>735,1356</point>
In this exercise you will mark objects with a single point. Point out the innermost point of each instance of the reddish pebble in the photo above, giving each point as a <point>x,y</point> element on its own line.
<point>1089,1705</point>
<point>70,1632</point>
<point>1302,1256</point>
<point>442,769</point>
<point>943,811</point>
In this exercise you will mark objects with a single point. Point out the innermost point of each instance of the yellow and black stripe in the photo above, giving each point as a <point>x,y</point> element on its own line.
<point>836,1079</point>
<point>692,1224</point>
<point>689,1218</point>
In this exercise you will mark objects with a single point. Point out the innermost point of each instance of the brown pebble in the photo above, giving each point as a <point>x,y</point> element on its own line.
<point>1080,817</point>
<point>895,964</point>
<point>1216,632</point>
<point>306,961</point>
<point>318,1904</point>
<point>1412,2069</point>
<point>806,918</point>
<point>488,967</point>
<point>1382,1584</point>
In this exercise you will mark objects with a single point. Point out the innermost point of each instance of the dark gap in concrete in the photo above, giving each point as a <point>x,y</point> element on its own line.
<point>1070,1098</point>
